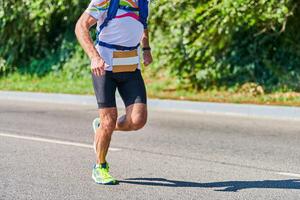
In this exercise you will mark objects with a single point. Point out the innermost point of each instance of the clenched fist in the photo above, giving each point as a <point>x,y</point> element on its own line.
<point>98,66</point>
<point>147,57</point>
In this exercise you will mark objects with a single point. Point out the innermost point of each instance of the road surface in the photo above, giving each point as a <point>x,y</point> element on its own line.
<point>46,153</point>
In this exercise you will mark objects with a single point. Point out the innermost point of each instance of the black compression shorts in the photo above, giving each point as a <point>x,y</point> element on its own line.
<point>130,85</point>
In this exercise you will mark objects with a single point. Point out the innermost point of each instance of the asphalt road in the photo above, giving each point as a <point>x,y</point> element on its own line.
<point>45,153</point>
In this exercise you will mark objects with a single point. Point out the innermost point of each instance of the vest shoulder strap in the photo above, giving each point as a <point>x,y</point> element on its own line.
<point>144,12</point>
<point>111,13</point>
<point>113,9</point>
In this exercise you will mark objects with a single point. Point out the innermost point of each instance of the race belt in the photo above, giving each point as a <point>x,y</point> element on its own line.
<point>125,61</point>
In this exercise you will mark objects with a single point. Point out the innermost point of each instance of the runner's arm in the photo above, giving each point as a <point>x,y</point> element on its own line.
<point>145,39</point>
<point>146,44</point>
<point>82,32</point>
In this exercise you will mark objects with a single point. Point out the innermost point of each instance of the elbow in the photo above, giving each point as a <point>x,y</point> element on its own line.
<point>77,28</point>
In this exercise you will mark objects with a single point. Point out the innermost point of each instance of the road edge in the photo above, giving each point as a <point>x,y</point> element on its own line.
<point>247,110</point>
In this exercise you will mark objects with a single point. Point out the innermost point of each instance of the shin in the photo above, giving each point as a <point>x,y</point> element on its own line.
<point>108,118</point>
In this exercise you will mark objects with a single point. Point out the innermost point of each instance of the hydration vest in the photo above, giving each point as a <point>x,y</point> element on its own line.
<point>114,5</point>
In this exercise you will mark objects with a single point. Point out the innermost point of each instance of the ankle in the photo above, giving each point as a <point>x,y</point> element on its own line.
<point>103,165</point>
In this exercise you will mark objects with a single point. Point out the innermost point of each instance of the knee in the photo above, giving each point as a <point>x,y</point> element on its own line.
<point>138,122</point>
<point>108,124</point>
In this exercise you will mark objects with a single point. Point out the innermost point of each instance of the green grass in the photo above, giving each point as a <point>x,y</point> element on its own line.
<point>50,84</point>
<point>157,87</point>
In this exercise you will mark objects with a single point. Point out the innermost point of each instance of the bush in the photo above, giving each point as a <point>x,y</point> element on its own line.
<point>34,30</point>
<point>205,44</point>
<point>229,42</point>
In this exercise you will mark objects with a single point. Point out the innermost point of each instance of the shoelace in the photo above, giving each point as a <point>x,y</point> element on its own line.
<point>104,173</point>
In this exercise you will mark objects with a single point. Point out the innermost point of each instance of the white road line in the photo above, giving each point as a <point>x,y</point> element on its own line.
<point>289,174</point>
<point>39,139</point>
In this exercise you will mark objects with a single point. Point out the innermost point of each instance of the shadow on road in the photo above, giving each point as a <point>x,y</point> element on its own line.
<point>226,186</point>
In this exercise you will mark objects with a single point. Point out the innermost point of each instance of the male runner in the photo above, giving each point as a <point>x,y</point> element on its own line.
<point>113,68</point>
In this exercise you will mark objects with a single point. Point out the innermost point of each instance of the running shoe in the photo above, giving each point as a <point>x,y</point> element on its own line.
<point>101,175</point>
<point>96,124</point>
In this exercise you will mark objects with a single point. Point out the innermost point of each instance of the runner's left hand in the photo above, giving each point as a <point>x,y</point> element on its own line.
<point>147,58</point>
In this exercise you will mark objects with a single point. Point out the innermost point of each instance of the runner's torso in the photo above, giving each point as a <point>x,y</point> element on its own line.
<point>124,30</point>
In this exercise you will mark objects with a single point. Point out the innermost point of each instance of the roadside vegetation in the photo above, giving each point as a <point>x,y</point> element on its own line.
<point>245,51</point>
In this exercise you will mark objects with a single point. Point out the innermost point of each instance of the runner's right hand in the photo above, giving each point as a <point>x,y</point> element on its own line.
<point>98,66</point>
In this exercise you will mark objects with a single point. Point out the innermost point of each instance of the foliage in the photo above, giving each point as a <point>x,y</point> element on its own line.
<point>228,42</point>
<point>204,43</point>
<point>33,30</point>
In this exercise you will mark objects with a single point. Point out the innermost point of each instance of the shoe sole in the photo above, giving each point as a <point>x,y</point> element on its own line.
<point>109,183</point>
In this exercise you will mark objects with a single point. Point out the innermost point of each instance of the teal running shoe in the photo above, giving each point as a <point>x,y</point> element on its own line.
<point>96,124</point>
<point>101,175</point>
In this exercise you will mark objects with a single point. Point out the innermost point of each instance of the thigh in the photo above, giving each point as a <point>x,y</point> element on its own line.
<point>136,112</point>
<point>105,90</point>
<point>132,89</point>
